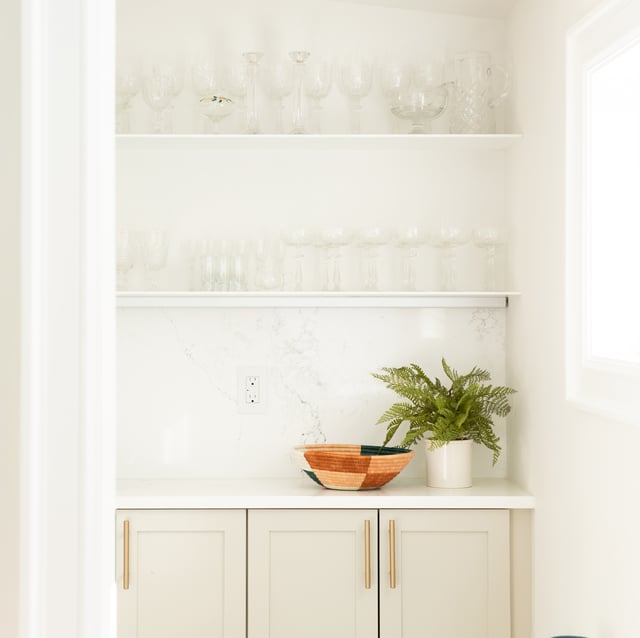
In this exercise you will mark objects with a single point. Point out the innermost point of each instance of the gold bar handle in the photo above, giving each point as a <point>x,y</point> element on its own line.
<point>392,554</point>
<point>367,554</point>
<point>125,573</point>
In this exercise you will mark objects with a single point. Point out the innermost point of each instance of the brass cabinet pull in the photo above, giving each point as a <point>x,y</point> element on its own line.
<point>392,554</point>
<point>125,574</point>
<point>367,554</point>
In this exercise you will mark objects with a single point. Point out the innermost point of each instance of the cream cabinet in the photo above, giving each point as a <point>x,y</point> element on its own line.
<point>181,573</point>
<point>312,573</point>
<point>442,573</point>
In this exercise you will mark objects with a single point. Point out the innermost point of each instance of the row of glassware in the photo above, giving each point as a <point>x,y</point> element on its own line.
<point>315,260</point>
<point>417,92</point>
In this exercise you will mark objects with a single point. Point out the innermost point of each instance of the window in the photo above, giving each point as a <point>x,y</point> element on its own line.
<point>603,212</point>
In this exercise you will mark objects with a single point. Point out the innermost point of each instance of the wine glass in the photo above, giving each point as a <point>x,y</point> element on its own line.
<point>334,240</point>
<point>354,79</point>
<point>371,240</point>
<point>237,80</point>
<point>269,256</point>
<point>448,239</point>
<point>125,257</point>
<point>394,79</point>
<point>155,247</point>
<point>490,239</point>
<point>409,239</point>
<point>159,87</point>
<point>299,58</point>
<point>298,239</point>
<point>207,81</point>
<point>216,108</point>
<point>278,83</point>
<point>421,105</point>
<point>127,87</point>
<point>317,84</point>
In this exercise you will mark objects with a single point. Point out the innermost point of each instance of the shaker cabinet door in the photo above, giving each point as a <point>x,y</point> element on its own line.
<point>444,573</point>
<point>312,574</point>
<point>181,573</point>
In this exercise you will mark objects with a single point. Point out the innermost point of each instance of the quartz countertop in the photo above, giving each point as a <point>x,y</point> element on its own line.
<point>302,493</point>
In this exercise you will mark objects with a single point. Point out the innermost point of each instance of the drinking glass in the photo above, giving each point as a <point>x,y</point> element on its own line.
<point>354,79</point>
<point>238,265</point>
<point>333,240</point>
<point>216,108</point>
<point>299,58</point>
<point>371,240</point>
<point>252,60</point>
<point>155,247</point>
<point>409,240</point>
<point>207,81</point>
<point>394,79</point>
<point>125,257</point>
<point>448,239</point>
<point>317,84</point>
<point>490,239</point>
<point>298,239</point>
<point>127,87</point>
<point>269,257</point>
<point>278,83</point>
<point>159,87</point>
<point>237,80</point>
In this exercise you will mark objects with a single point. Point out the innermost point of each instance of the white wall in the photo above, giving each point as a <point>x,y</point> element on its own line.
<point>582,469</point>
<point>9,315</point>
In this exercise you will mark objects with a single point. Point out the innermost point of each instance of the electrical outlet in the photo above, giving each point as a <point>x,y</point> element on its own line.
<point>252,390</point>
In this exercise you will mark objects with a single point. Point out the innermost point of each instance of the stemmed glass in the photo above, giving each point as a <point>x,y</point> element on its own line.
<point>237,78</point>
<point>216,108</point>
<point>355,79</point>
<point>269,264</point>
<point>317,84</point>
<point>371,240</point>
<point>409,240</point>
<point>394,79</point>
<point>159,87</point>
<point>278,82</point>
<point>207,81</point>
<point>299,58</point>
<point>489,238</point>
<point>127,87</point>
<point>252,59</point>
<point>155,247</point>
<point>298,239</point>
<point>334,240</point>
<point>125,257</point>
<point>448,239</point>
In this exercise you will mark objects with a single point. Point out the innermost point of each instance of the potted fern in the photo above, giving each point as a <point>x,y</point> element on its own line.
<point>456,415</point>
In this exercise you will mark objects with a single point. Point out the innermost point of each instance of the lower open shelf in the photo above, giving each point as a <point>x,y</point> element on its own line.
<point>350,299</point>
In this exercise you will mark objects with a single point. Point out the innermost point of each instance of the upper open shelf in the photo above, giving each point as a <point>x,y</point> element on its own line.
<point>338,141</point>
<point>350,299</point>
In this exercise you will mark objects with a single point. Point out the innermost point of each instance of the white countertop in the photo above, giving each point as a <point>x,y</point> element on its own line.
<point>302,493</point>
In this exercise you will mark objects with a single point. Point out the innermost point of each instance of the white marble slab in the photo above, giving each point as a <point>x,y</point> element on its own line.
<point>304,494</point>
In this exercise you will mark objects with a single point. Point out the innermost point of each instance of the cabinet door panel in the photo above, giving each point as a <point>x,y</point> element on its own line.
<point>306,574</point>
<point>452,574</point>
<point>186,574</point>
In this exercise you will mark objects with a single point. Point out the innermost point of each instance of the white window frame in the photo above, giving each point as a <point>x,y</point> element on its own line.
<point>605,387</point>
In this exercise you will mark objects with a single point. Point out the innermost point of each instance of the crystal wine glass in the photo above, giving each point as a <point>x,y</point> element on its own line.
<point>237,80</point>
<point>127,87</point>
<point>278,83</point>
<point>159,87</point>
<point>216,108</point>
<point>421,105</point>
<point>207,81</point>
<point>354,78</point>
<point>448,239</point>
<point>317,84</point>
<point>298,239</point>
<point>334,240</point>
<point>299,58</point>
<point>252,60</point>
<point>155,247</point>
<point>490,239</point>
<point>394,79</point>
<point>409,240</point>
<point>371,240</point>
<point>269,264</point>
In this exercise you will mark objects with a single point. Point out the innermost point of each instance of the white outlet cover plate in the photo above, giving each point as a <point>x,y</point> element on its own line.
<point>242,372</point>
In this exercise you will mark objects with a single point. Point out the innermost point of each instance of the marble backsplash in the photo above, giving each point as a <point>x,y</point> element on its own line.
<point>178,371</point>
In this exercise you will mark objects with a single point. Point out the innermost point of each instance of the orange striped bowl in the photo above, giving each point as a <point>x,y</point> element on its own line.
<point>351,467</point>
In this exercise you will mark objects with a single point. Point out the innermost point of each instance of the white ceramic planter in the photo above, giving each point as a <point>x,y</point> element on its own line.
<point>449,465</point>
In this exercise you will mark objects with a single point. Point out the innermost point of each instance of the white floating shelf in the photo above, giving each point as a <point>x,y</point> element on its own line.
<point>314,299</point>
<point>297,142</point>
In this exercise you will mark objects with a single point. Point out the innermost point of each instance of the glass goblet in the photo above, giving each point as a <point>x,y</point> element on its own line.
<point>252,60</point>
<point>394,79</point>
<point>127,87</point>
<point>207,81</point>
<point>448,239</point>
<point>159,87</point>
<point>155,248</point>
<point>317,84</point>
<point>334,240</point>
<point>237,80</point>
<point>216,108</point>
<point>490,239</point>
<point>409,240</point>
<point>371,240</point>
<point>421,105</point>
<point>354,79</point>
<point>298,239</point>
<point>277,79</point>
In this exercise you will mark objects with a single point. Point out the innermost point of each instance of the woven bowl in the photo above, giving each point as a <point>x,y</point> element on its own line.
<point>351,467</point>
